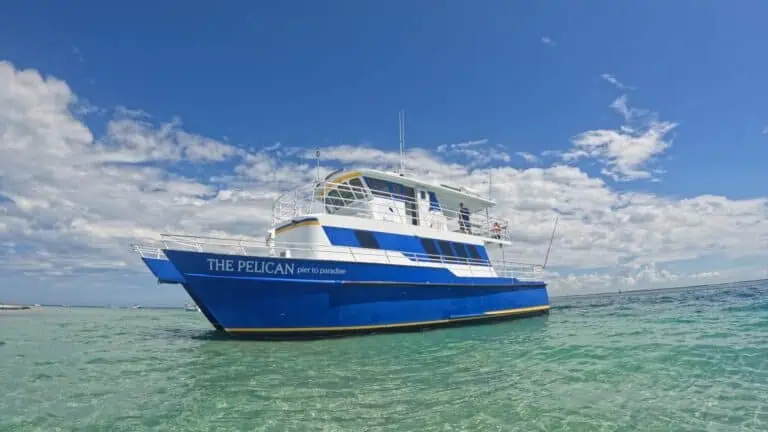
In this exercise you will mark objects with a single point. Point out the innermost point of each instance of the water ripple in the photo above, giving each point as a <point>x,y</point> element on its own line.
<point>683,360</point>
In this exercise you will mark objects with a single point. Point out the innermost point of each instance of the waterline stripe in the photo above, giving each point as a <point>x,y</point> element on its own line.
<point>486,315</point>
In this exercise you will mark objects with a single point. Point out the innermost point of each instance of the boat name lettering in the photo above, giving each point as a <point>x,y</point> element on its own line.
<point>250,266</point>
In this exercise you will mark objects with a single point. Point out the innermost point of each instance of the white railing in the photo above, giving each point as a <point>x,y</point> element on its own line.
<point>258,248</point>
<point>344,199</point>
<point>147,251</point>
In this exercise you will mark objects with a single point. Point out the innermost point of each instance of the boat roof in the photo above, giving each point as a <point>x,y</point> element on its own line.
<point>471,199</point>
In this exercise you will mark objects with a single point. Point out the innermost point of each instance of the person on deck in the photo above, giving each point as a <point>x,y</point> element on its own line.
<point>464,219</point>
<point>496,230</point>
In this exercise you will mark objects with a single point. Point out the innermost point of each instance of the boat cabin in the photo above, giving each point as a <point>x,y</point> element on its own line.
<point>390,197</point>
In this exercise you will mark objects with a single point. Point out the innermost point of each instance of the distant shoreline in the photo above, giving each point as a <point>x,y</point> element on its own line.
<point>670,288</point>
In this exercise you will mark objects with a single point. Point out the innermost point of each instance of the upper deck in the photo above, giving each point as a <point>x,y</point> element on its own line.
<point>394,198</point>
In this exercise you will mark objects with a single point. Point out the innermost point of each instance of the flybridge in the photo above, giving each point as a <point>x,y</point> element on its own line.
<point>389,197</point>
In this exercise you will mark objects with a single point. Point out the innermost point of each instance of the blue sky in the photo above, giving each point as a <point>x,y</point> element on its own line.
<point>524,76</point>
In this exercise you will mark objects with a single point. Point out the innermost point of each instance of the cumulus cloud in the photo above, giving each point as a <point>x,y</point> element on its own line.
<point>625,152</point>
<point>71,202</point>
<point>546,40</point>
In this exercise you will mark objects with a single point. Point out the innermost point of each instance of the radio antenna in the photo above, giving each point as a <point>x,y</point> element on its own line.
<point>401,129</point>
<point>546,258</point>
<point>317,160</point>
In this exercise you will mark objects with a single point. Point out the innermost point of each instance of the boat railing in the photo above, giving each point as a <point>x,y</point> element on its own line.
<point>344,199</point>
<point>266,249</point>
<point>149,251</point>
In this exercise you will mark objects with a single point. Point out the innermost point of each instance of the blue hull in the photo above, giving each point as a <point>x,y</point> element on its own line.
<point>163,270</point>
<point>282,297</point>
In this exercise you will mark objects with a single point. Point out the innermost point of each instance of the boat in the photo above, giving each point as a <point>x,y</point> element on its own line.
<point>189,307</point>
<point>360,250</point>
<point>5,307</point>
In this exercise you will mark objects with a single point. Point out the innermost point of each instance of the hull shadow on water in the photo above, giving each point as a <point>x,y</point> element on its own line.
<point>218,335</point>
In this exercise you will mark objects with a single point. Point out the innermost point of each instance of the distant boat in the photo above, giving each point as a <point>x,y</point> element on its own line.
<point>137,307</point>
<point>13,307</point>
<point>189,307</point>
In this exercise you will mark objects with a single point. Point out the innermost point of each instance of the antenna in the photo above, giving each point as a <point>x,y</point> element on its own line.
<point>317,160</point>
<point>490,183</point>
<point>401,130</point>
<point>550,243</point>
<point>490,179</point>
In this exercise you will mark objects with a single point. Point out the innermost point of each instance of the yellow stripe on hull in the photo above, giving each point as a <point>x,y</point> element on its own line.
<point>285,228</point>
<point>486,315</point>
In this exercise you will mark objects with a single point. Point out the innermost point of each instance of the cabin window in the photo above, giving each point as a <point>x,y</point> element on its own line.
<point>366,239</point>
<point>423,194</point>
<point>445,248</point>
<point>378,187</point>
<point>472,249</point>
<point>460,250</point>
<point>346,193</point>
<point>433,204</point>
<point>429,247</point>
<point>334,199</point>
<point>358,188</point>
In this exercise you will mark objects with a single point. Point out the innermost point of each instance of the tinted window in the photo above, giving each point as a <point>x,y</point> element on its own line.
<point>358,187</point>
<point>346,193</point>
<point>378,187</point>
<point>472,249</point>
<point>334,199</point>
<point>366,239</point>
<point>445,248</point>
<point>460,250</point>
<point>429,247</point>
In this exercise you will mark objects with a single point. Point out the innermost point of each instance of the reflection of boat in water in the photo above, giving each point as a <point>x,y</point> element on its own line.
<point>189,307</point>
<point>362,250</point>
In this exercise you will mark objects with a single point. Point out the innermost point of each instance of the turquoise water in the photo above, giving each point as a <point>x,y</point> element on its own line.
<point>676,360</point>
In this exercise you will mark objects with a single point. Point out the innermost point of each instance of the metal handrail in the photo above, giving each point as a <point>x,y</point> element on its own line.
<point>146,251</point>
<point>313,199</point>
<point>258,248</point>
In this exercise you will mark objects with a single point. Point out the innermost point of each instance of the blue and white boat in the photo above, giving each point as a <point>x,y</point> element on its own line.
<point>359,251</point>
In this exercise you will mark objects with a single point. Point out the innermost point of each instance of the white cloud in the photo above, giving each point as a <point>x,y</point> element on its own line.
<point>74,201</point>
<point>613,80</point>
<point>528,157</point>
<point>626,151</point>
<point>475,153</point>
<point>546,40</point>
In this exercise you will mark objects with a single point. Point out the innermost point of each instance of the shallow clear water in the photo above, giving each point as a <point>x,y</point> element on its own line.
<point>690,359</point>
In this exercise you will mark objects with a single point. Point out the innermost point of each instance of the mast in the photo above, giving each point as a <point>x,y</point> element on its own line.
<point>490,184</point>
<point>317,161</point>
<point>549,248</point>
